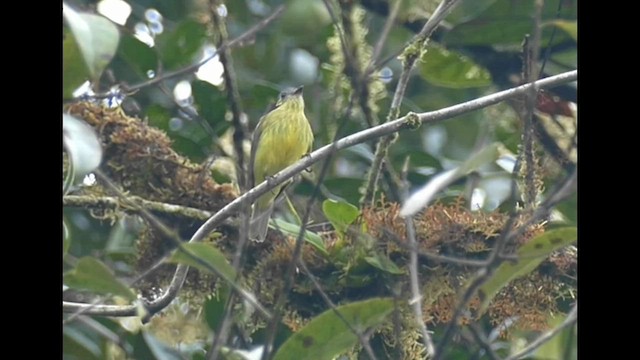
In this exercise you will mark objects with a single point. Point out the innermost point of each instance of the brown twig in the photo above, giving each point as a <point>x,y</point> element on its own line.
<point>233,96</point>
<point>571,319</point>
<point>411,53</point>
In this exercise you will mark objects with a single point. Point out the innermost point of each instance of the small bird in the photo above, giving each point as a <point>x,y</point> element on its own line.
<point>281,138</point>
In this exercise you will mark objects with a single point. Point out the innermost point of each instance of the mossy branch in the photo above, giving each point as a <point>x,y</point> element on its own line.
<point>412,52</point>
<point>236,205</point>
<point>134,205</point>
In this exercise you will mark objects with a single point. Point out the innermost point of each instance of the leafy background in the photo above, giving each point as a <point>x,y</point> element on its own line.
<point>476,53</point>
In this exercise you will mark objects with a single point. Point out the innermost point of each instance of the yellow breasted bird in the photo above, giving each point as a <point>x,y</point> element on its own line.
<point>281,138</point>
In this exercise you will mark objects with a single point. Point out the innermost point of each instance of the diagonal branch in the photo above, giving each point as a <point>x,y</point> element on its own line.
<point>416,293</point>
<point>571,319</point>
<point>410,121</point>
<point>411,53</point>
<point>496,257</point>
<point>233,95</point>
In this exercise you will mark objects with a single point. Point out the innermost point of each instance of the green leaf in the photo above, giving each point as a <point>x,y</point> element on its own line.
<point>214,307</point>
<point>91,274</point>
<point>211,104</point>
<point>283,333</point>
<point>450,69</point>
<point>207,253</point>
<point>292,229</point>
<point>180,47</point>
<point>505,23</point>
<point>557,346</point>
<point>74,69</point>
<point>97,39</point>
<point>138,55</point>
<point>327,336</point>
<point>468,10</point>
<point>82,145</point>
<point>159,117</point>
<point>341,214</point>
<point>383,263</point>
<point>530,255</point>
<point>570,27</point>
<point>344,187</point>
<point>78,344</point>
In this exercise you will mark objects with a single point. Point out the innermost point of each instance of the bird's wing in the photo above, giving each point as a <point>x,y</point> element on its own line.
<point>254,146</point>
<point>255,140</point>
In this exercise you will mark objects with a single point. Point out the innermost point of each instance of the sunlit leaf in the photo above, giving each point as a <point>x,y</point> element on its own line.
<point>570,27</point>
<point>293,230</point>
<point>326,335</point>
<point>530,255</point>
<point>341,214</point>
<point>97,39</point>
<point>91,274</point>
<point>74,68</point>
<point>209,255</point>
<point>447,68</point>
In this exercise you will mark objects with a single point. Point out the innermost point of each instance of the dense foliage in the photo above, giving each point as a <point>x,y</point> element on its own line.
<point>480,206</point>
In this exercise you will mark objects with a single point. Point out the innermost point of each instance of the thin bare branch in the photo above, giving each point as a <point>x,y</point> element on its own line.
<point>166,298</point>
<point>363,340</point>
<point>338,28</point>
<point>425,33</point>
<point>572,318</point>
<point>416,292</point>
<point>531,50</point>
<point>412,52</point>
<point>496,257</point>
<point>368,134</point>
<point>289,275</point>
<point>240,129</point>
<point>406,122</point>
<point>189,69</point>
<point>481,339</point>
<point>383,36</point>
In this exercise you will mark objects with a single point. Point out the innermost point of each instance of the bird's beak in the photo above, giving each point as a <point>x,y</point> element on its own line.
<point>298,91</point>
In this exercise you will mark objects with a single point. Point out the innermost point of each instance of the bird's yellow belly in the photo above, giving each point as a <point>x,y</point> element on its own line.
<point>279,152</point>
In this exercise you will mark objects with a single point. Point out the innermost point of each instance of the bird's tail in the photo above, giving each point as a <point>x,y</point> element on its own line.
<point>259,222</point>
<point>262,210</point>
